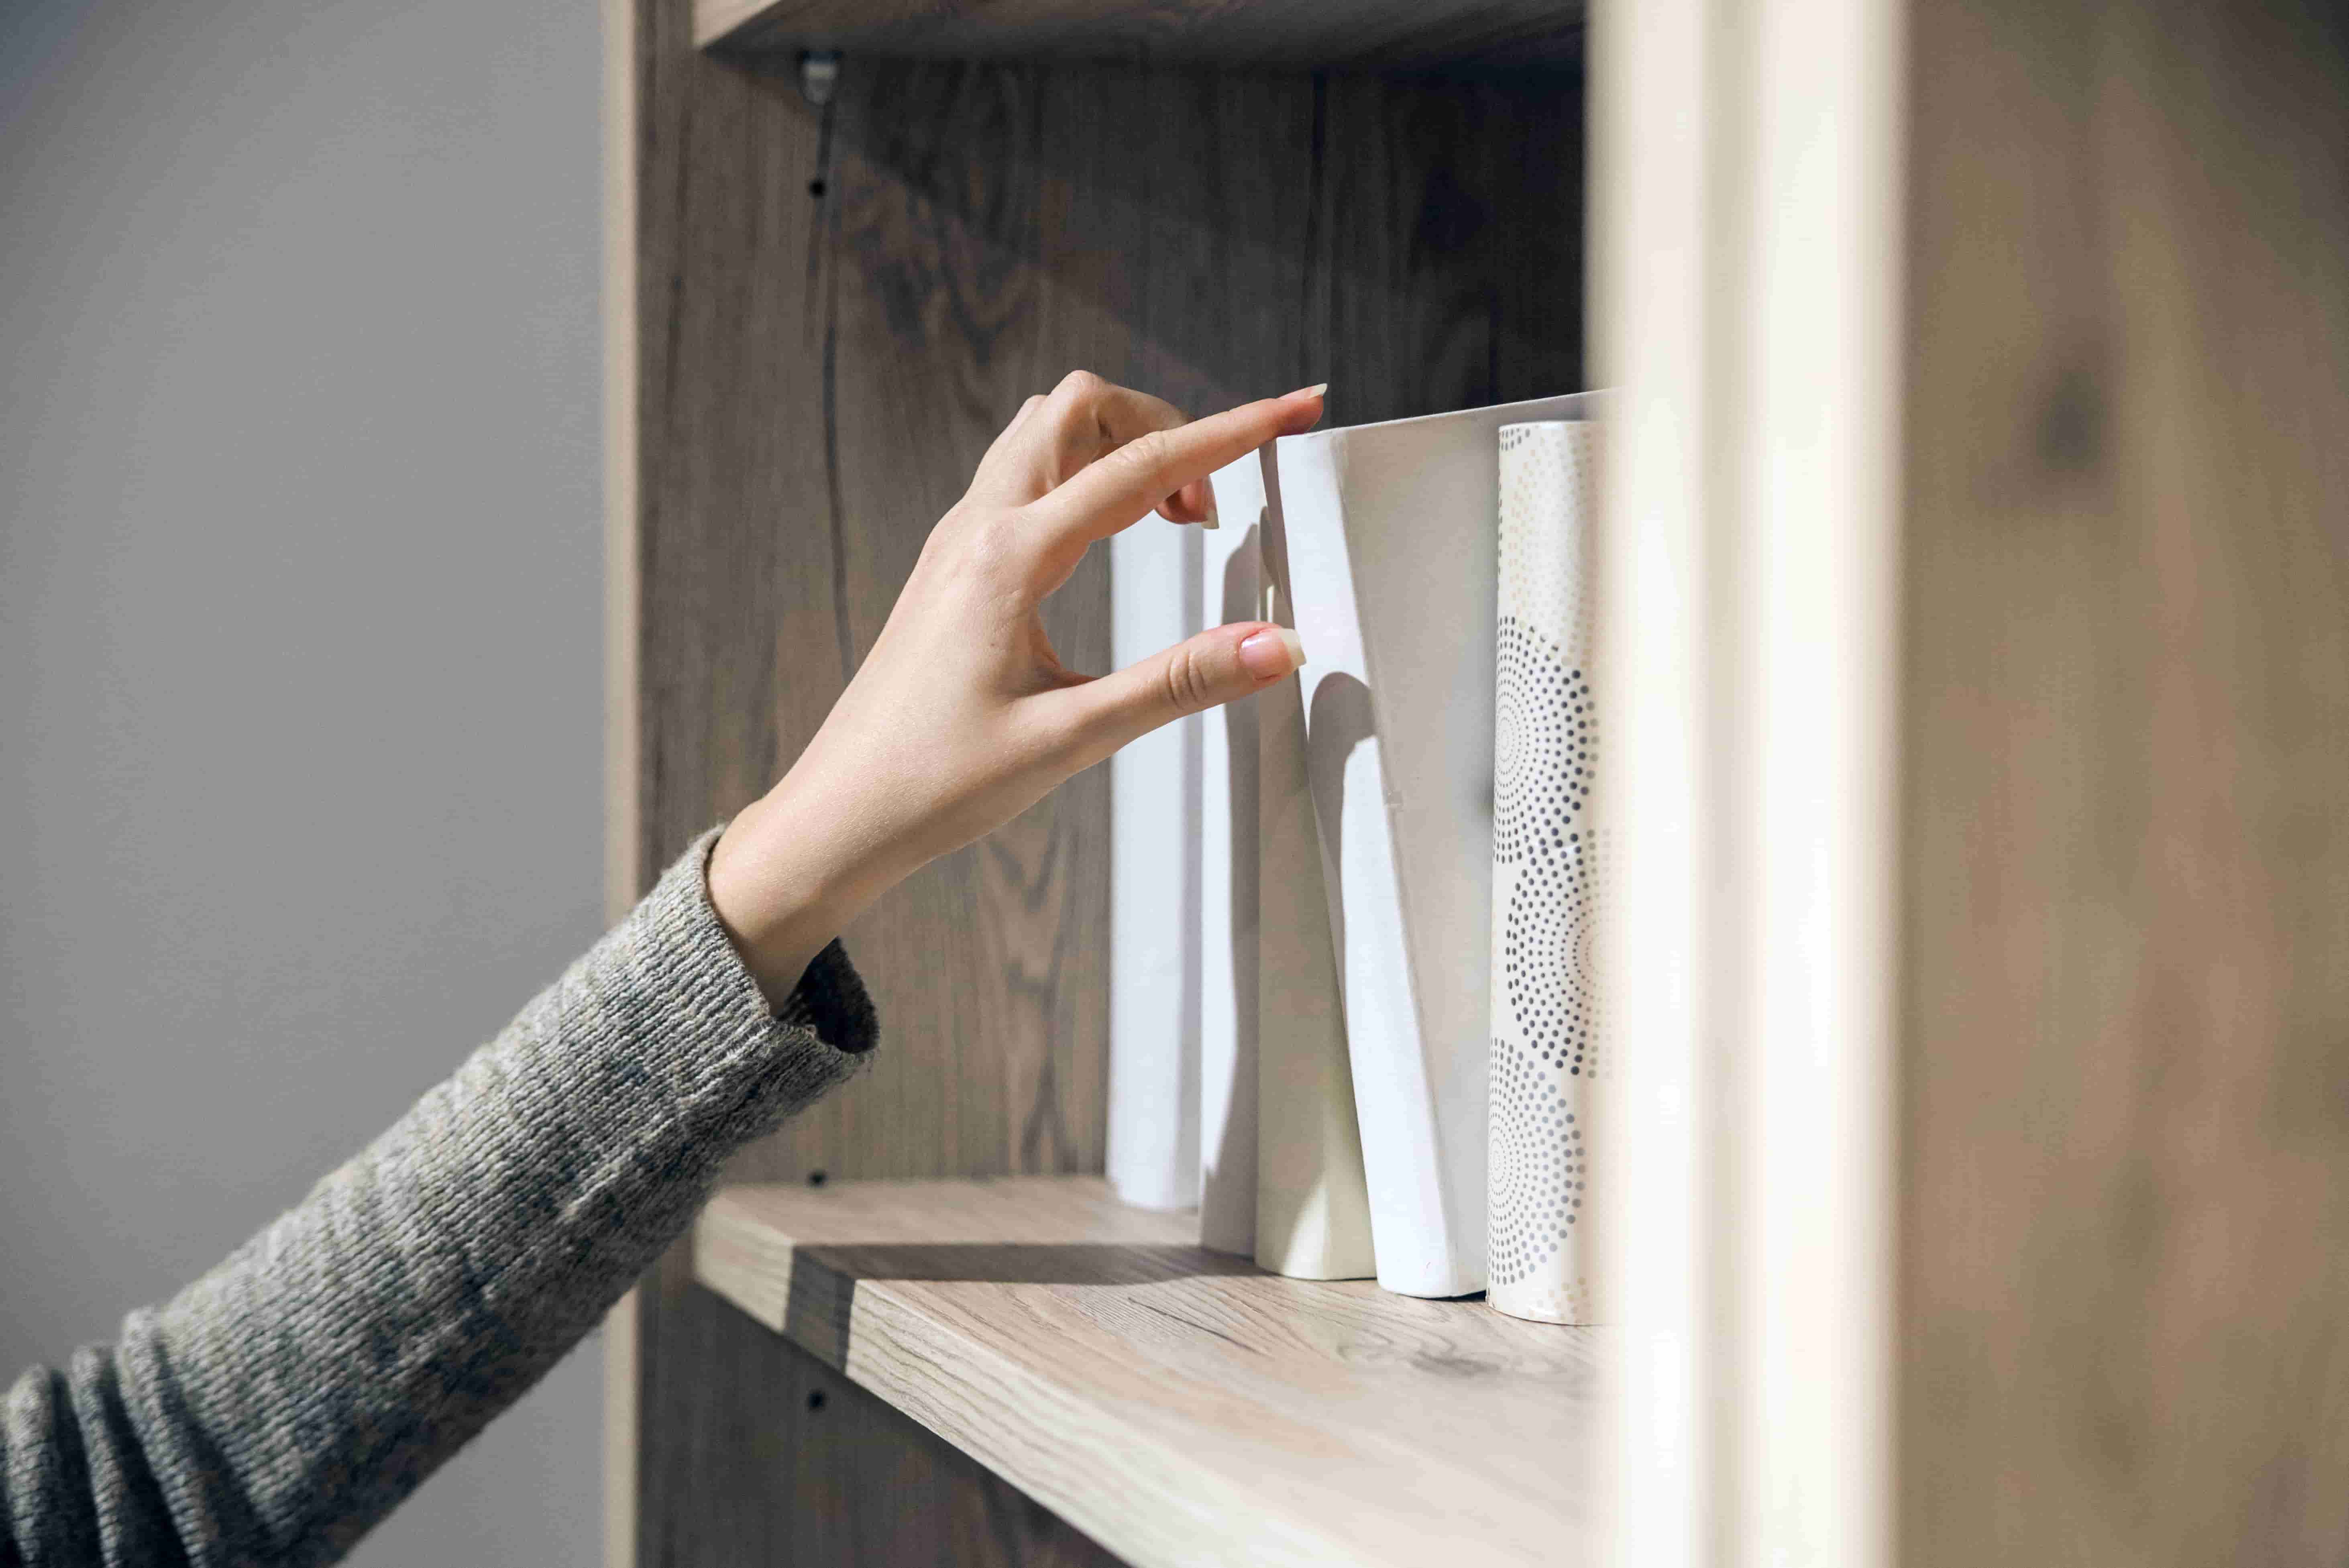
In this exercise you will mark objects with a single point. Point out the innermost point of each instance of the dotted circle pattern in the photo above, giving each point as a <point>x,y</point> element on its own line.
<point>1545,742</point>
<point>1547,473</point>
<point>1552,860</point>
<point>1538,1170</point>
<point>1546,966</point>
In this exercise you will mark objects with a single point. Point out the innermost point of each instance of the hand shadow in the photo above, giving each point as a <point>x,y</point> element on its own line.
<point>1243,600</point>
<point>1339,721</point>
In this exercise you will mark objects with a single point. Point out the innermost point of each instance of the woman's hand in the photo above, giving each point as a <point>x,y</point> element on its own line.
<point>962,717</point>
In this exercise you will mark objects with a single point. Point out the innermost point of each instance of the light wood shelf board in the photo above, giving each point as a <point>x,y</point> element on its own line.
<point>1178,1406</point>
<point>1232,32</point>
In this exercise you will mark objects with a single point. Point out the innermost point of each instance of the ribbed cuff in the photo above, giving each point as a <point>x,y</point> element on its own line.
<point>829,1001</point>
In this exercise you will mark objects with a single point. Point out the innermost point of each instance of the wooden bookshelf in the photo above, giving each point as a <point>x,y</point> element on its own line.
<point>1976,553</point>
<point>1178,1405</point>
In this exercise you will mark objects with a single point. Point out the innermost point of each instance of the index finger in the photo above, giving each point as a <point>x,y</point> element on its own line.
<point>1118,488</point>
<point>1059,435</point>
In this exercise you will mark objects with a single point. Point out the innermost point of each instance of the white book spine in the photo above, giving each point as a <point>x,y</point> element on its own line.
<point>1231,589</point>
<point>1426,1239</point>
<point>1549,861</point>
<point>1153,1155</point>
<point>1312,1218</point>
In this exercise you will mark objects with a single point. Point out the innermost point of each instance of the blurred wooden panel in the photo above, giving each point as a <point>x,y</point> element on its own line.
<point>2125,1228</point>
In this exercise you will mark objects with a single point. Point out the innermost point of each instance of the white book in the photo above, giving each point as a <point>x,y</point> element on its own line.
<point>1231,589</point>
<point>1152,1156</point>
<point>1551,871</point>
<point>1312,1215</point>
<point>1392,556</point>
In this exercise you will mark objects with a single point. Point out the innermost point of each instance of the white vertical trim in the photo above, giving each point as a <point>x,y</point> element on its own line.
<point>1649,233</point>
<point>1821,504</point>
<point>1746,232</point>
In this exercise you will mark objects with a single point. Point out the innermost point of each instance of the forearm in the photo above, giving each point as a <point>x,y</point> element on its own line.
<point>284,1403</point>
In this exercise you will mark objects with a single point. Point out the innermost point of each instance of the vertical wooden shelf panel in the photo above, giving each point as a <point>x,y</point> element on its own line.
<point>2126,723</point>
<point>832,312</point>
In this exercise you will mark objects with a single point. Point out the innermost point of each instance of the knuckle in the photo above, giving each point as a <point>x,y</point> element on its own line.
<point>1186,683</point>
<point>1082,383</point>
<point>1145,454</point>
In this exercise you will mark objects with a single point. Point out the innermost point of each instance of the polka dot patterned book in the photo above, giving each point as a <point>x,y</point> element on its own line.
<point>1550,867</point>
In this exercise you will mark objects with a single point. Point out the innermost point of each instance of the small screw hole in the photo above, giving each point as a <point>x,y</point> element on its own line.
<point>815,1178</point>
<point>816,1400</point>
<point>815,186</point>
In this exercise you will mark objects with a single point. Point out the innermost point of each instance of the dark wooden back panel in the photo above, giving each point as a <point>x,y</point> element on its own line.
<point>2125,716</point>
<point>835,311</point>
<point>819,374</point>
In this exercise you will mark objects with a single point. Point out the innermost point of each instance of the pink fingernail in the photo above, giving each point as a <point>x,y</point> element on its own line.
<point>1272,652</point>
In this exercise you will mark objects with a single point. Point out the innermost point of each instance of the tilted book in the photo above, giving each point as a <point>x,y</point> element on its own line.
<point>1312,1211</point>
<point>1232,588</point>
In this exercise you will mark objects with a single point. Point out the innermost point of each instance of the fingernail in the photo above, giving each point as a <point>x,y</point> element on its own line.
<point>1313,391</point>
<point>1211,520</point>
<point>1271,653</point>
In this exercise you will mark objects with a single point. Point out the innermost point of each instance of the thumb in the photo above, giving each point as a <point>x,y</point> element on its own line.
<point>1214,667</point>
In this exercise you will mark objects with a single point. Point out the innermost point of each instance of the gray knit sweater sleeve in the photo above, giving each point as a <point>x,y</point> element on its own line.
<point>284,1403</point>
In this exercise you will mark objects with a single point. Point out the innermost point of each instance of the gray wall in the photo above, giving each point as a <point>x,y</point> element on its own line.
<point>299,633</point>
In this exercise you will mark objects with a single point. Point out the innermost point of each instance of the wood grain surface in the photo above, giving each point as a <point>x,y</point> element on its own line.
<point>820,373</point>
<point>1178,1405</point>
<point>832,312</point>
<point>1248,32</point>
<point>2127,726</point>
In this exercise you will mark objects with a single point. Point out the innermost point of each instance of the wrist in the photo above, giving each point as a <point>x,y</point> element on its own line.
<point>780,896</point>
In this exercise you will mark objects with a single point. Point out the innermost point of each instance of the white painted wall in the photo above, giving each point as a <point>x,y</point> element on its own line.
<point>299,633</point>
